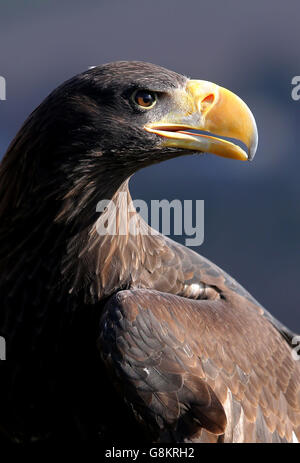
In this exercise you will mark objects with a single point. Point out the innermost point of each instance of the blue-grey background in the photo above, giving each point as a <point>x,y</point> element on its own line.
<point>252,219</point>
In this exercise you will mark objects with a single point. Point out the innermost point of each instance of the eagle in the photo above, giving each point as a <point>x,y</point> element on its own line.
<point>123,337</point>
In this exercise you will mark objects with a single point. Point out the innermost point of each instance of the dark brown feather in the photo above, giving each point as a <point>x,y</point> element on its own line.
<point>243,399</point>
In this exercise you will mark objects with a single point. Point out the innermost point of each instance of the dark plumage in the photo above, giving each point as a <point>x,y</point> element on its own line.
<point>194,356</point>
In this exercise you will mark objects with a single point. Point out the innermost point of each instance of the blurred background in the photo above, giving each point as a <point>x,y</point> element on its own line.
<point>252,210</point>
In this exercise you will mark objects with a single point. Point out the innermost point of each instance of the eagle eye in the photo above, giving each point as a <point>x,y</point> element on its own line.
<point>144,98</point>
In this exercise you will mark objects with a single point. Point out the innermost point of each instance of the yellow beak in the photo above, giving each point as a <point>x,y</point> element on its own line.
<point>205,106</point>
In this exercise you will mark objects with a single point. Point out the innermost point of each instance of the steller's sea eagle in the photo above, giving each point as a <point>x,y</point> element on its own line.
<point>122,337</point>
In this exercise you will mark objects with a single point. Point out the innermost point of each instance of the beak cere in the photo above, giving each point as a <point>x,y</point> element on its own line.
<point>205,106</point>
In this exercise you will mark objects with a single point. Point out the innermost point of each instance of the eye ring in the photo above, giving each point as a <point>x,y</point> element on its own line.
<point>144,99</point>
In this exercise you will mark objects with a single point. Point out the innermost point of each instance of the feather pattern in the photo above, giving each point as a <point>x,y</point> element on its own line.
<point>243,400</point>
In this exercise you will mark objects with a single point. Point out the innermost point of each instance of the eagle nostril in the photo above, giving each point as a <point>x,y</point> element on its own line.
<point>206,103</point>
<point>209,99</point>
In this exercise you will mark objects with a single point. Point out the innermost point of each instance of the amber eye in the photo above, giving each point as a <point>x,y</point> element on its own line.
<point>144,98</point>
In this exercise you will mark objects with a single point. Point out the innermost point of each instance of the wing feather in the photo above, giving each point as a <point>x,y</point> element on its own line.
<point>209,368</point>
